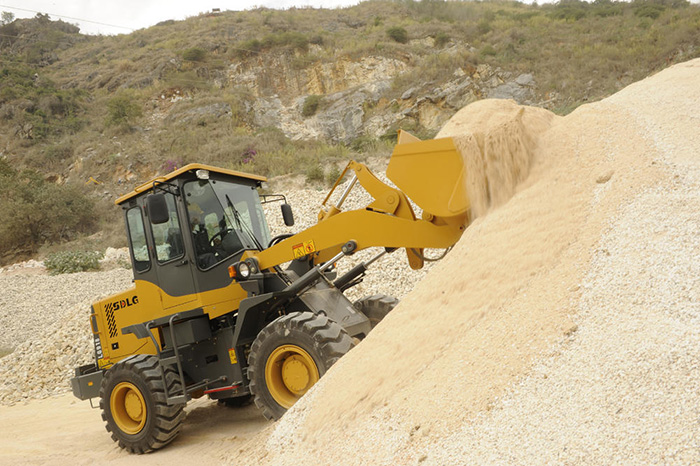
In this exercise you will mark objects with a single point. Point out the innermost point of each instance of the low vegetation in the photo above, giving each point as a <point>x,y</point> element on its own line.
<point>36,211</point>
<point>72,261</point>
<point>311,105</point>
<point>398,34</point>
<point>84,118</point>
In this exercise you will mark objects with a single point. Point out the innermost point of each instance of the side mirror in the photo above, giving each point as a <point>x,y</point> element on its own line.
<point>157,209</point>
<point>287,215</point>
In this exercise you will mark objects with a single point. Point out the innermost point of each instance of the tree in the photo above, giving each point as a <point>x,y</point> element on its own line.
<point>7,17</point>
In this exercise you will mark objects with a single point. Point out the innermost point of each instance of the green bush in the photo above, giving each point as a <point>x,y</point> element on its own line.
<point>35,211</point>
<point>72,261</point>
<point>488,51</point>
<point>570,11</point>
<point>441,39</point>
<point>398,34</point>
<point>652,11</point>
<point>332,175</point>
<point>311,105</point>
<point>248,48</point>
<point>284,40</point>
<point>291,39</point>
<point>194,54</point>
<point>315,173</point>
<point>58,152</point>
<point>122,110</point>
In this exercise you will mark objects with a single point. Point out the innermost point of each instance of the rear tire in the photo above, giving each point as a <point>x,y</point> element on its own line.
<point>132,399</point>
<point>376,307</point>
<point>236,402</point>
<point>289,356</point>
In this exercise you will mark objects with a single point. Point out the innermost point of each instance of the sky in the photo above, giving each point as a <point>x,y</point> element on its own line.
<point>125,16</point>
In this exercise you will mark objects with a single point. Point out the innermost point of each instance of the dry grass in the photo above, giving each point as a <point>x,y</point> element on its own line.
<point>578,52</point>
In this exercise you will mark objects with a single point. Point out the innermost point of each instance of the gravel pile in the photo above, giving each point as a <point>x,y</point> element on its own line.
<point>45,321</point>
<point>31,264</point>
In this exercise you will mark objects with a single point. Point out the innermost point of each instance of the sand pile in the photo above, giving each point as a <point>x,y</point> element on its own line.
<point>563,328</point>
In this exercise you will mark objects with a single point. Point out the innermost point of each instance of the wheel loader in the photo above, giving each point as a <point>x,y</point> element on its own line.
<point>221,309</point>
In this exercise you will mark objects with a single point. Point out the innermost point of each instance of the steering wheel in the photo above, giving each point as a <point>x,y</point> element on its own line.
<point>279,238</point>
<point>220,235</point>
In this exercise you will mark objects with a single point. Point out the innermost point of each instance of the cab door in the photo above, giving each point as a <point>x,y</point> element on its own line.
<point>173,268</point>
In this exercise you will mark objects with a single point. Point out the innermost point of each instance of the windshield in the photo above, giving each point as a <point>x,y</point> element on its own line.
<point>225,218</point>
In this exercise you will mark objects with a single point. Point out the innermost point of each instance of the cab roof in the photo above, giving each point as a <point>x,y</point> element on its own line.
<point>187,168</point>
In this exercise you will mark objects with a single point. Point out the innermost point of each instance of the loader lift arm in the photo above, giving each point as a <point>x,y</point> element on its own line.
<point>432,172</point>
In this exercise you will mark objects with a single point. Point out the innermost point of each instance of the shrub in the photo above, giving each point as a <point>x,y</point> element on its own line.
<point>315,173</point>
<point>291,39</point>
<point>59,152</point>
<point>484,26</point>
<point>72,261</point>
<point>398,34</point>
<point>652,11</point>
<point>570,11</point>
<point>363,144</point>
<point>311,105</point>
<point>194,54</point>
<point>488,51</point>
<point>122,110</point>
<point>441,38</point>
<point>35,211</point>
<point>248,48</point>
<point>333,174</point>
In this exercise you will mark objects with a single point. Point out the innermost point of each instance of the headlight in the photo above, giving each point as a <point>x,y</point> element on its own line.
<point>243,270</point>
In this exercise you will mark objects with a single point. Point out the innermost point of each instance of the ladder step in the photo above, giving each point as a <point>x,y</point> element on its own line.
<point>177,399</point>
<point>168,361</point>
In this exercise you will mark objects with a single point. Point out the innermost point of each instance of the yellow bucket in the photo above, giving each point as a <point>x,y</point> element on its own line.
<point>432,173</point>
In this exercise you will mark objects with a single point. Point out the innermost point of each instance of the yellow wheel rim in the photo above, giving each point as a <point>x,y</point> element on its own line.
<point>289,373</point>
<point>128,408</point>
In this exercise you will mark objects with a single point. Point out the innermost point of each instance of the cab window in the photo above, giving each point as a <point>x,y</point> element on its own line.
<point>137,238</point>
<point>168,236</point>
<point>224,219</point>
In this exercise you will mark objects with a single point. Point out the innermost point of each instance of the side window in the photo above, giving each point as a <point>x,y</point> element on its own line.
<point>137,236</point>
<point>168,236</point>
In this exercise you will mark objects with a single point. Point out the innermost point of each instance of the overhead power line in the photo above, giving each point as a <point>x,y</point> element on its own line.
<point>67,17</point>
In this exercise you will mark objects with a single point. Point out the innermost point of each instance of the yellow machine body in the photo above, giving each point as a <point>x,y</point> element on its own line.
<point>431,172</point>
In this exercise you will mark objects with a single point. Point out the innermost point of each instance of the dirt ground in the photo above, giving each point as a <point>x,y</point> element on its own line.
<point>65,431</point>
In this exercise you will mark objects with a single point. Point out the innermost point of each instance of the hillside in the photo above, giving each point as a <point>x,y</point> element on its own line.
<point>294,91</point>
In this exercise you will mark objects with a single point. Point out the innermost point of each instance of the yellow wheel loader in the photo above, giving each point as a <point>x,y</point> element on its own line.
<point>219,308</point>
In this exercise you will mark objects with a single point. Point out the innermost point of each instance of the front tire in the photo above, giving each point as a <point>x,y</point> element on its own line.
<point>376,307</point>
<point>132,399</point>
<point>289,356</point>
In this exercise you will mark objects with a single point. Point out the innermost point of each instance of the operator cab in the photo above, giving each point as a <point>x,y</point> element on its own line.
<point>187,227</point>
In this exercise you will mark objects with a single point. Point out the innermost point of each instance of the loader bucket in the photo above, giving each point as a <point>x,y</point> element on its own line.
<point>431,173</point>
